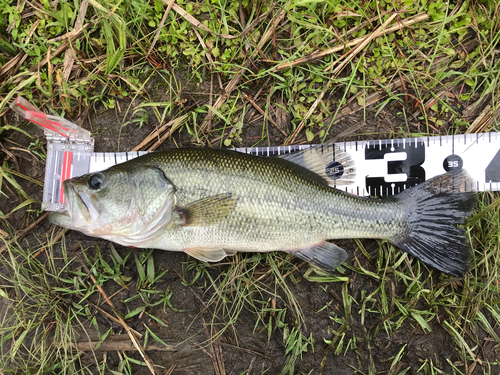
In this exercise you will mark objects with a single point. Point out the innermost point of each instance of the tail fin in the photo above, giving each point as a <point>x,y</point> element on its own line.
<point>434,208</point>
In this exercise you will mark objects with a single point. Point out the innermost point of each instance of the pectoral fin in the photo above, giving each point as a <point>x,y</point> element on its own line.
<point>206,254</point>
<point>207,211</point>
<point>324,255</point>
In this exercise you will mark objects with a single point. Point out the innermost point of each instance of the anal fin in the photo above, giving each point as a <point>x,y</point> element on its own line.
<point>324,255</point>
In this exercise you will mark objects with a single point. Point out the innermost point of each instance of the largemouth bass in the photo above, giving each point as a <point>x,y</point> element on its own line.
<point>211,203</point>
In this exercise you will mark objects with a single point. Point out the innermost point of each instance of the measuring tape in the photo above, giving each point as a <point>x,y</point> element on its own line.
<point>383,167</point>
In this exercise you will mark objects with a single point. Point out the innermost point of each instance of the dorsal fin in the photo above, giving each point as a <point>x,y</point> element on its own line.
<point>336,167</point>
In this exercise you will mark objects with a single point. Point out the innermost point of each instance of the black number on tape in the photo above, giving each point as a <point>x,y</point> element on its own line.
<point>415,174</point>
<point>493,169</point>
<point>334,170</point>
<point>453,164</point>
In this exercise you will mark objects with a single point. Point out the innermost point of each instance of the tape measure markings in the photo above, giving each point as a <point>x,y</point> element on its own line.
<point>383,167</point>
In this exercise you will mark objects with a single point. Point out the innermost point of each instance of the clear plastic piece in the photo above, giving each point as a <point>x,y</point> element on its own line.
<point>51,125</point>
<point>69,151</point>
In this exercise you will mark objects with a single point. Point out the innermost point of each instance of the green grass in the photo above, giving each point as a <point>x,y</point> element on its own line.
<point>37,314</point>
<point>436,76</point>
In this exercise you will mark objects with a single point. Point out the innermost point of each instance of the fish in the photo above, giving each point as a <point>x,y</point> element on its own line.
<point>212,203</point>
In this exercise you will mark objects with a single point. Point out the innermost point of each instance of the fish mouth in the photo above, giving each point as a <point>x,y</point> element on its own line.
<point>61,218</point>
<point>80,209</point>
<point>65,218</point>
<point>70,196</point>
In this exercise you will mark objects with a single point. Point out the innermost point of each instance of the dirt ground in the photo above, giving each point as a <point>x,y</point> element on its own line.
<point>245,350</point>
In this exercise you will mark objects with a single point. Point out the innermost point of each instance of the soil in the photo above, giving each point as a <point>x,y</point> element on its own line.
<point>247,349</point>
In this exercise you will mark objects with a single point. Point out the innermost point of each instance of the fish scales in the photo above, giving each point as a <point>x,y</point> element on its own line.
<point>281,206</point>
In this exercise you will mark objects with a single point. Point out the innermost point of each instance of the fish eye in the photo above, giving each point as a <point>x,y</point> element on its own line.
<point>95,181</point>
